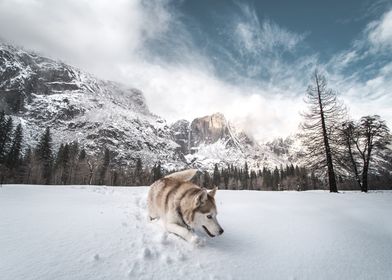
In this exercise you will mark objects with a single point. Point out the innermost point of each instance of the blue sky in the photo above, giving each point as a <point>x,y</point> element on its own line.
<point>250,60</point>
<point>328,26</point>
<point>323,29</point>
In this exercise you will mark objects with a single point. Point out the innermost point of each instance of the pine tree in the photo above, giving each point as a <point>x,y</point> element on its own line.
<point>245,177</point>
<point>216,177</point>
<point>65,165</point>
<point>14,154</point>
<point>276,179</point>
<point>6,126</point>
<point>82,155</point>
<point>206,180</point>
<point>27,167</point>
<point>45,156</point>
<point>157,172</point>
<point>139,172</point>
<point>267,179</point>
<point>73,161</point>
<point>253,180</point>
<point>104,167</point>
<point>226,178</point>
<point>313,179</point>
<point>81,169</point>
<point>292,170</point>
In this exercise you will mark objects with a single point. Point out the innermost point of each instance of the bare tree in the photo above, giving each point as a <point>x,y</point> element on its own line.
<point>348,158</point>
<point>319,127</point>
<point>363,142</point>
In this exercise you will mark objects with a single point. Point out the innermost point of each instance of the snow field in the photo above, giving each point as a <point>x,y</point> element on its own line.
<point>76,232</point>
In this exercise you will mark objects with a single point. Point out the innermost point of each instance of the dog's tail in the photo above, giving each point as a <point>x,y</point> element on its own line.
<point>183,176</point>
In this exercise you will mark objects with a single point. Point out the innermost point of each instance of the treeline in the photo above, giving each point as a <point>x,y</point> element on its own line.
<point>289,177</point>
<point>70,164</point>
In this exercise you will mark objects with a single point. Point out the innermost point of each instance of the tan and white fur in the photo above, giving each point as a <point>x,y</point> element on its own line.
<point>183,206</point>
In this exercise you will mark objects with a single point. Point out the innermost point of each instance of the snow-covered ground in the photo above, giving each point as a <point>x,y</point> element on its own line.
<point>74,232</point>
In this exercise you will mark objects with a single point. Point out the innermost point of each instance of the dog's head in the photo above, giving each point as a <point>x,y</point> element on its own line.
<point>205,213</point>
<point>199,207</point>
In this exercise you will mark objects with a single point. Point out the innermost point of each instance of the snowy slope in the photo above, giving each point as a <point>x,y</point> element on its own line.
<point>41,92</point>
<point>213,139</point>
<point>52,232</point>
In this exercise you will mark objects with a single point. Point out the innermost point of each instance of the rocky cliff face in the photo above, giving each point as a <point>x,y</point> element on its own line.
<point>182,135</point>
<point>211,140</point>
<point>209,129</point>
<point>40,92</point>
<point>202,131</point>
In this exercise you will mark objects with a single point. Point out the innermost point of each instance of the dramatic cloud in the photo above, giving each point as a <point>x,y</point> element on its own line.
<point>94,35</point>
<point>256,74</point>
<point>363,73</point>
<point>380,32</point>
<point>265,36</point>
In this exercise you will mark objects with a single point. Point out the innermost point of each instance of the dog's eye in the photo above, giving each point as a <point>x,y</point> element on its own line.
<point>209,217</point>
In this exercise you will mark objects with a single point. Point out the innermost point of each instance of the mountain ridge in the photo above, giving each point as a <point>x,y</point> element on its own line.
<point>40,92</point>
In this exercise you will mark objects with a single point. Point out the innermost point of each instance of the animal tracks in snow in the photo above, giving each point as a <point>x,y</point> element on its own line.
<point>143,247</point>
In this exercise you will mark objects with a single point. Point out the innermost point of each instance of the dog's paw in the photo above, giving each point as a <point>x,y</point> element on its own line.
<point>197,241</point>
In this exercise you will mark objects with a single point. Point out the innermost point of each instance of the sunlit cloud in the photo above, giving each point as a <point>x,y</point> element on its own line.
<point>256,74</point>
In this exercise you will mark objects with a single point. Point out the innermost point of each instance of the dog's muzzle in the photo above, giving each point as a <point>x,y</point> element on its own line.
<point>210,234</point>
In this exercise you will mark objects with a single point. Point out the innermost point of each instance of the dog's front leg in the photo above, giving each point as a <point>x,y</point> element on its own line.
<point>182,232</point>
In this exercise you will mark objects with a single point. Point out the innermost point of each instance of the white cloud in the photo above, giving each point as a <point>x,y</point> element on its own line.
<point>111,40</point>
<point>373,96</point>
<point>380,31</point>
<point>256,36</point>
<point>363,73</point>
<point>94,35</point>
<point>186,92</point>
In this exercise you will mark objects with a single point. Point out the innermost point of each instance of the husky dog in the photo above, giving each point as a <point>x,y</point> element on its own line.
<point>183,206</point>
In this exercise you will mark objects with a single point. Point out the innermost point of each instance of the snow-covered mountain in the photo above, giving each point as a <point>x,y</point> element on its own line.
<point>40,92</point>
<point>211,140</point>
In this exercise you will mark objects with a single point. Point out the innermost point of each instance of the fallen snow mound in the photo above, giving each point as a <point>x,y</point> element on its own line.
<point>75,232</point>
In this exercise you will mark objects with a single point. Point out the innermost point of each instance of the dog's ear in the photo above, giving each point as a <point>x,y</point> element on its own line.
<point>200,198</point>
<point>213,191</point>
